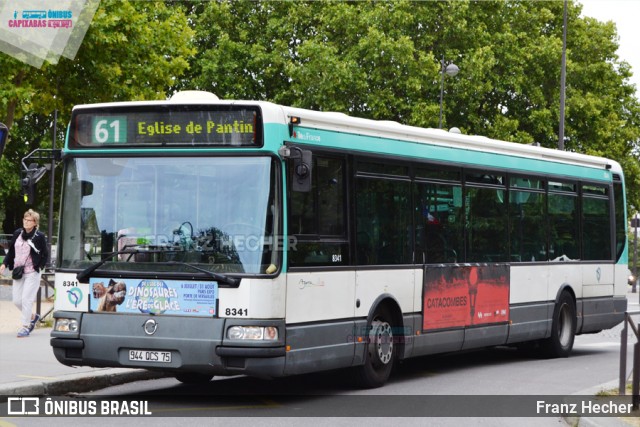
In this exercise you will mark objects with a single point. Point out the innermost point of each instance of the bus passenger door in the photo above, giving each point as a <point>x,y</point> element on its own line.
<point>320,288</point>
<point>320,328</point>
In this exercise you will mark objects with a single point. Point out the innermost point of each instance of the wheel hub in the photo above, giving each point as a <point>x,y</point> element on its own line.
<point>383,341</point>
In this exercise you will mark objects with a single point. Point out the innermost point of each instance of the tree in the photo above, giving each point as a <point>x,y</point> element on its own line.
<point>381,60</point>
<point>377,60</point>
<point>132,50</point>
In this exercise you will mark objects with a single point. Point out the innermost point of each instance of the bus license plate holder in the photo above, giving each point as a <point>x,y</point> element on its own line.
<point>153,356</point>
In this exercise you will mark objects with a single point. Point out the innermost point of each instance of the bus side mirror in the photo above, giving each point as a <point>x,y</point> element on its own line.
<point>302,172</point>
<point>86,188</point>
<point>302,167</point>
<point>4,133</point>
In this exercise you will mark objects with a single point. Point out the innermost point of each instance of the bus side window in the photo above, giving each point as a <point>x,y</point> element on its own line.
<point>486,219</point>
<point>317,218</point>
<point>563,227</point>
<point>383,221</point>
<point>528,226</point>
<point>596,217</point>
<point>438,223</point>
<point>618,196</point>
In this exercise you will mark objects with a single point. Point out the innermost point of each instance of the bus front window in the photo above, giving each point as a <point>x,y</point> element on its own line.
<point>159,213</point>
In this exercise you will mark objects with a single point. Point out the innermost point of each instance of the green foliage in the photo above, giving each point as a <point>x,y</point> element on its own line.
<point>132,50</point>
<point>632,266</point>
<point>370,59</point>
<point>381,60</point>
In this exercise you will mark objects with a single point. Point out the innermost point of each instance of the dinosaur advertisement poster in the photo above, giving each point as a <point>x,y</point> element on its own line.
<point>152,296</point>
<point>471,295</point>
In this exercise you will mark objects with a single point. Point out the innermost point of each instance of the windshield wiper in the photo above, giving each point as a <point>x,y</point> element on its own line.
<point>86,273</point>
<point>231,281</point>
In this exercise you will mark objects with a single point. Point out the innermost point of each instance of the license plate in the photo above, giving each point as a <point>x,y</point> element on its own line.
<point>149,356</point>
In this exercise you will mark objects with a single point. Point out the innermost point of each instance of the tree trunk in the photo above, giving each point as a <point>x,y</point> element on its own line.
<point>13,103</point>
<point>14,209</point>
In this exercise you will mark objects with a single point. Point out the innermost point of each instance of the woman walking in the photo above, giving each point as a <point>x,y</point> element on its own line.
<point>27,256</point>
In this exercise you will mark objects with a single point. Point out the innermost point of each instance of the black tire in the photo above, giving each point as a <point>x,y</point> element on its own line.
<point>193,378</point>
<point>381,352</point>
<point>563,328</point>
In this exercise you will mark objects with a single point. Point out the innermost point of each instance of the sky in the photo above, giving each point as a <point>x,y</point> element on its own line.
<point>625,14</point>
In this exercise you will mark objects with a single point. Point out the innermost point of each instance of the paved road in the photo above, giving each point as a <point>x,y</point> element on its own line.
<point>28,366</point>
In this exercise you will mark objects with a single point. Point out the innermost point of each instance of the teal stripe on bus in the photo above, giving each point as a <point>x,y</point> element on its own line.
<point>453,155</point>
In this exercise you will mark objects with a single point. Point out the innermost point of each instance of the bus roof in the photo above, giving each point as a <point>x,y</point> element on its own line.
<point>342,123</point>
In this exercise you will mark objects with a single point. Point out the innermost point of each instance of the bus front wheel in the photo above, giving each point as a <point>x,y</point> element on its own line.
<point>563,328</point>
<point>380,353</point>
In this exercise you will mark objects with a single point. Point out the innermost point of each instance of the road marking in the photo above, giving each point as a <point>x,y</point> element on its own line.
<point>6,424</point>
<point>600,344</point>
<point>37,378</point>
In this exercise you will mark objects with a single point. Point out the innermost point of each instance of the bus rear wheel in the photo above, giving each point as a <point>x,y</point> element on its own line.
<point>193,378</point>
<point>563,328</point>
<point>380,353</point>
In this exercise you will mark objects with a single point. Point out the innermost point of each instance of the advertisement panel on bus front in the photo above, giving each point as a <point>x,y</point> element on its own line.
<point>154,296</point>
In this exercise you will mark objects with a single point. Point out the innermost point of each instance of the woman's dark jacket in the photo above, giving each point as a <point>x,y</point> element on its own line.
<point>39,259</point>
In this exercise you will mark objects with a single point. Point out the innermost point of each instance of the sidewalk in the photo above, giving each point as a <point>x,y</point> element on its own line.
<point>29,368</point>
<point>9,314</point>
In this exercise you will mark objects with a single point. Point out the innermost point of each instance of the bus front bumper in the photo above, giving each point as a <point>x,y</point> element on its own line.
<point>172,344</point>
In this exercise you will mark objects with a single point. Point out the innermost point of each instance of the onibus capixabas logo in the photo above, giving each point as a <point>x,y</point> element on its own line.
<point>34,31</point>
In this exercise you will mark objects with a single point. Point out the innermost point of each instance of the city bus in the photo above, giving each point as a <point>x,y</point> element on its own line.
<point>203,237</point>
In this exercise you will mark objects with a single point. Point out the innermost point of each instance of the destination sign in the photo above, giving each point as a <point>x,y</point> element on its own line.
<point>226,126</point>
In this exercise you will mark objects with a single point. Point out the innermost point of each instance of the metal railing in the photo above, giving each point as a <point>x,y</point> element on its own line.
<point>48,280</point>
<point>5,239</point>
<point>635,381</point>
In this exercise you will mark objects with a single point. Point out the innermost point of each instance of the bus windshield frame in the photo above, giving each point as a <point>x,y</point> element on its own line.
<point>167,214</point>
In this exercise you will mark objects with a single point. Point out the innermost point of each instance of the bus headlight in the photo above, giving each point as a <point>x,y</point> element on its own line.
<point>265,333</point>
<point>66,325</point>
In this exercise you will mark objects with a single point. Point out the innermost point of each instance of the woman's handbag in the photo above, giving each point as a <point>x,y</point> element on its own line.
<point>17,272</point>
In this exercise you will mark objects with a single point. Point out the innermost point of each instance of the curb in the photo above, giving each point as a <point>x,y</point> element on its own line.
<point>77,383</point>
<point>588,421</point>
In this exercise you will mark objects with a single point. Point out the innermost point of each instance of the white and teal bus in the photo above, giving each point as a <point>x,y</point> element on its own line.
<point>206,237</point>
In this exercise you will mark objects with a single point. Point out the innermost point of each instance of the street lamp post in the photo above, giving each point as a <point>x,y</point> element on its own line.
<point>635,224</point>
<point>450,70</point>
<point>563,79</point>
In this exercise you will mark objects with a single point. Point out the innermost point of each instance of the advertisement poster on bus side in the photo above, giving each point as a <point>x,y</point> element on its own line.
<point>153,296</point>
<point>457,296</point>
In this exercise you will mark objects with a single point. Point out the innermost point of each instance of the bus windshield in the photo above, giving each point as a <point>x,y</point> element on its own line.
<point>157,214</point>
